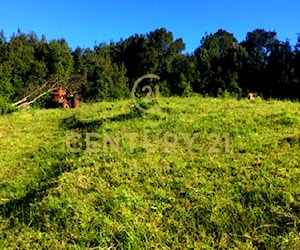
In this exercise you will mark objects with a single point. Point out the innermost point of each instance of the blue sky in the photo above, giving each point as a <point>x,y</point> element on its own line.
<point>84,23</point>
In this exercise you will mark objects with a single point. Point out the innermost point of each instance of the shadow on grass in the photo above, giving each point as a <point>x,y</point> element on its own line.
<point>281,119</point>
<point>291,140</point>
<point>20,210</point>
<point>73,123</point>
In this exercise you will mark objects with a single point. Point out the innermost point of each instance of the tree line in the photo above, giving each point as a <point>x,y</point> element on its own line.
<point>220,65</point>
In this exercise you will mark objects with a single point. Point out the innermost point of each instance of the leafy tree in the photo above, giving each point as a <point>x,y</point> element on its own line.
<point>3,47</point>
<point>79,63</point>
<point>131,54</point>
<point>105,79</point>
<point>6,87</point>
<point>280,71</point>
<point>162,50</point>
<point>182,75</point>
<point>190,71</point>
<point>297,67</point>
<point>20,62</point>
<point>59,59</point>
<point>155,52</point>
<point>5,106</point>
<point>219,58</point>
<point>259,44</point>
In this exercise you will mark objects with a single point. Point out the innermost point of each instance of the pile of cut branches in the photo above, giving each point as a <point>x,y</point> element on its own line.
<point>47,87</point>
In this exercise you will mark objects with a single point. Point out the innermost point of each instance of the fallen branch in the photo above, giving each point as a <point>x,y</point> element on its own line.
<point>25,98</point>
<point>23,103</point>
<point>34,100</point>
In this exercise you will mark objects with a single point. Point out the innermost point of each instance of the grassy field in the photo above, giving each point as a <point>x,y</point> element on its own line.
<point>199,173</point>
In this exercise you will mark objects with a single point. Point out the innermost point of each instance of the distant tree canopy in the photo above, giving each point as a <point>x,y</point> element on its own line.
<point>261,63</point>
<point>219,59</point>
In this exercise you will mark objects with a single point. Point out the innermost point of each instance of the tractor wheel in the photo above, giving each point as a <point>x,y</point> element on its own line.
<point>66,105</point>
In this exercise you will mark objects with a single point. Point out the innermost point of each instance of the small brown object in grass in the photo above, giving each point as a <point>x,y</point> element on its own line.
<point>251,96</point>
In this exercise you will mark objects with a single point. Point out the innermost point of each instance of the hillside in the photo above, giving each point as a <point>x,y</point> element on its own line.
<point>200,172</point>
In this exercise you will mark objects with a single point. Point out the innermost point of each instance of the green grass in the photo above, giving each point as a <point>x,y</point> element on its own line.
<point>201,173</point>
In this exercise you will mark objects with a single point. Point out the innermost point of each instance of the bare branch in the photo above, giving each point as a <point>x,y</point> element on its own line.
<point>24,104</point>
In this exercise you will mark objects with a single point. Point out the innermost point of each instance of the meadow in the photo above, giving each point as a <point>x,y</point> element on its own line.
<point>211,173</point>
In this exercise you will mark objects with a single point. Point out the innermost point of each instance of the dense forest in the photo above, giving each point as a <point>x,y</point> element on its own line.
<point>219,66</point>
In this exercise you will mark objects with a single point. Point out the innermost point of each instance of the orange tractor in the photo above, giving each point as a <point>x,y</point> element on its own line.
<point>61,97</point>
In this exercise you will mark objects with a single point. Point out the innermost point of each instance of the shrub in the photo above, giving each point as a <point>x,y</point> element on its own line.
<point>44,102</point>
<point>5,106</point>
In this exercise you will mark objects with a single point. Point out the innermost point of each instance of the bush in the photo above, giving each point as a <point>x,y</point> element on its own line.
<point>44,102</point>
<point>5,106</point>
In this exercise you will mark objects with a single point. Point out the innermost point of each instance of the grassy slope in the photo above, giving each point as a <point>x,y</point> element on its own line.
<point>237,185</point>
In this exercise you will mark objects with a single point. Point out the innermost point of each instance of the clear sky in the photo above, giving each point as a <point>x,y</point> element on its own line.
<point>86,23</point>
